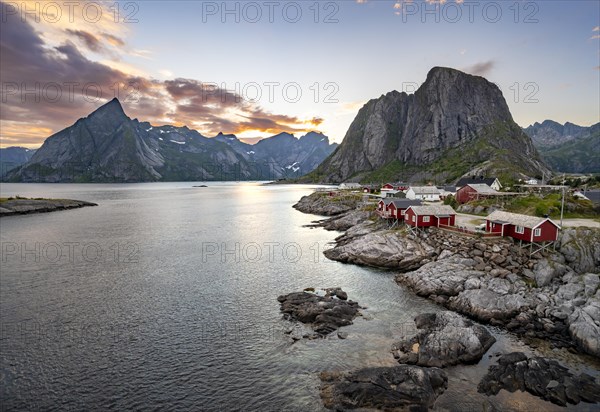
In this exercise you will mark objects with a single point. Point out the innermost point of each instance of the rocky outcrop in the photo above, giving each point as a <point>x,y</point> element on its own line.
<point>345,221</point>
<point>28,206</point>
<point>471,279</point>
<point>541,377</point>
<point>581,248</point>
<point>398,388</point>
<point>385,249</point>
<point>445,339</point>
<point>453,118</point>
<point>324,313</point>
<point>321,203</point>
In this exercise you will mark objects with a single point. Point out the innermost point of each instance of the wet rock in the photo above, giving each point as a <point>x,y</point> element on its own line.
<point>402,387</point>
<point>445,339</point>
<point>541,377</point>
<point>324,314</point>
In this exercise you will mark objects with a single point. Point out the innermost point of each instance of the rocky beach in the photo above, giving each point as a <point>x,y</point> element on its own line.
<point>549,298</point>
<point>18,206</point>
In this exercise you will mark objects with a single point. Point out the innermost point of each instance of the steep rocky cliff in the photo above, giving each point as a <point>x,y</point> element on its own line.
<point>454,124</point>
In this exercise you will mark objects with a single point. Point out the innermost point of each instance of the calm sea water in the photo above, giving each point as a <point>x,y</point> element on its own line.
<point>164,297</point>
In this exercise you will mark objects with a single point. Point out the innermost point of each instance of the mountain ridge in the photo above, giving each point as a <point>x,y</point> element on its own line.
<point>108,146</point>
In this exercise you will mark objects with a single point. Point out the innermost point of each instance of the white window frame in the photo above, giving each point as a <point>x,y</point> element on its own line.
<point>402,211</point>
<point>519,229</point>
<point>426,219</point>
<point>537,232</point>
<point>414,218</point>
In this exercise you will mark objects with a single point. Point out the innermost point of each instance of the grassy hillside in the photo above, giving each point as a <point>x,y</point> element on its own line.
<point>547,205</point>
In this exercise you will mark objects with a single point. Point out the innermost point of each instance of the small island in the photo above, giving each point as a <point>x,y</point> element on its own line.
<point>23,206</point>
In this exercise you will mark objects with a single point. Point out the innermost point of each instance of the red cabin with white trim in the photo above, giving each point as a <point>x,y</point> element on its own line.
<point>522,227</point>
<point>427,216</point>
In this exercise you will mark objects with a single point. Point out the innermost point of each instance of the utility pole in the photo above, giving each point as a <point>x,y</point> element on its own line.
<point>562,203</point>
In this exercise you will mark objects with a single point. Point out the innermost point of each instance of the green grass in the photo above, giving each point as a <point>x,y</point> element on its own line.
<point>549,204</point>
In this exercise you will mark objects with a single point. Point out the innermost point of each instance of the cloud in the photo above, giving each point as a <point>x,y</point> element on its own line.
<point>481,68</point>
<point>597,28</point>
<point>61,84</point>
<point>90,41</point>
<point>113,40</point>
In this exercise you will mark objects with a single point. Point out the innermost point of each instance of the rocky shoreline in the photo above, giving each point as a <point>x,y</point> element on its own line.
<point>552,296</point>
<point>29,206</point>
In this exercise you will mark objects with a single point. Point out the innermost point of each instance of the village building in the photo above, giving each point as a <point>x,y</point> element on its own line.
<point>395,186</point>
<point>390,208</point>
<point>370,188</point>
<point>428,216</point>
<point>533,229</point>
<point>428,193</point>
<point>353,186</point>
<point>492,182</point>
<point>393,193</point>
<point>475,191</point>
<point>446,191</point>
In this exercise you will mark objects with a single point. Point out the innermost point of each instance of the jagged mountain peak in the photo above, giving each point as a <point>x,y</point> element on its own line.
<point>112,107</point>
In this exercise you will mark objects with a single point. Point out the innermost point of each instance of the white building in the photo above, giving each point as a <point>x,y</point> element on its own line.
<point>427,193</point>
<point>350,186</point>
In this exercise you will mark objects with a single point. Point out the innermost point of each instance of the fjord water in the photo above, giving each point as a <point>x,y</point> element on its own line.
<point>164,297</point>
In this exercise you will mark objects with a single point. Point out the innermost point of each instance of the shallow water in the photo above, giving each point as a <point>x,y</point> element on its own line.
<point>164,296</point>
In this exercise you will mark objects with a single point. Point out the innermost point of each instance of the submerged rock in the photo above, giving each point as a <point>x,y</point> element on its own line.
<point>541,377</point>
<point>324,314</point>
<point>397,388</point>
<point>445,339</point>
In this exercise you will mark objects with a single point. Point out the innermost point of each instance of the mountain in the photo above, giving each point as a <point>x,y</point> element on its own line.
<point>287,156</point>
<point>108,146</point>
<point>11,157</point>
<point>550,133</point>
<point>567,148</point>
<point>454,125</point>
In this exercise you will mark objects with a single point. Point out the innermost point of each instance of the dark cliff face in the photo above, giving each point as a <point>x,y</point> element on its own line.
<point>108,146</point>
<point>453,124</point>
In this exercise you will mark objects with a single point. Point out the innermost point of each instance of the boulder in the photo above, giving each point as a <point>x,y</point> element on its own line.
<point>541,377</point>
<point>487,305</point>
<point>546,270</point>
<point>584,326</point>
<point>402,387</point>
<point>581,248</point>
<point>324,314</point>
<point>446,277</point>
<point>445,339</point>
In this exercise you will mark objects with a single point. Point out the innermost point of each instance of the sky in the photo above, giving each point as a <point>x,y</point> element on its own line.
<point>257,68</point>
